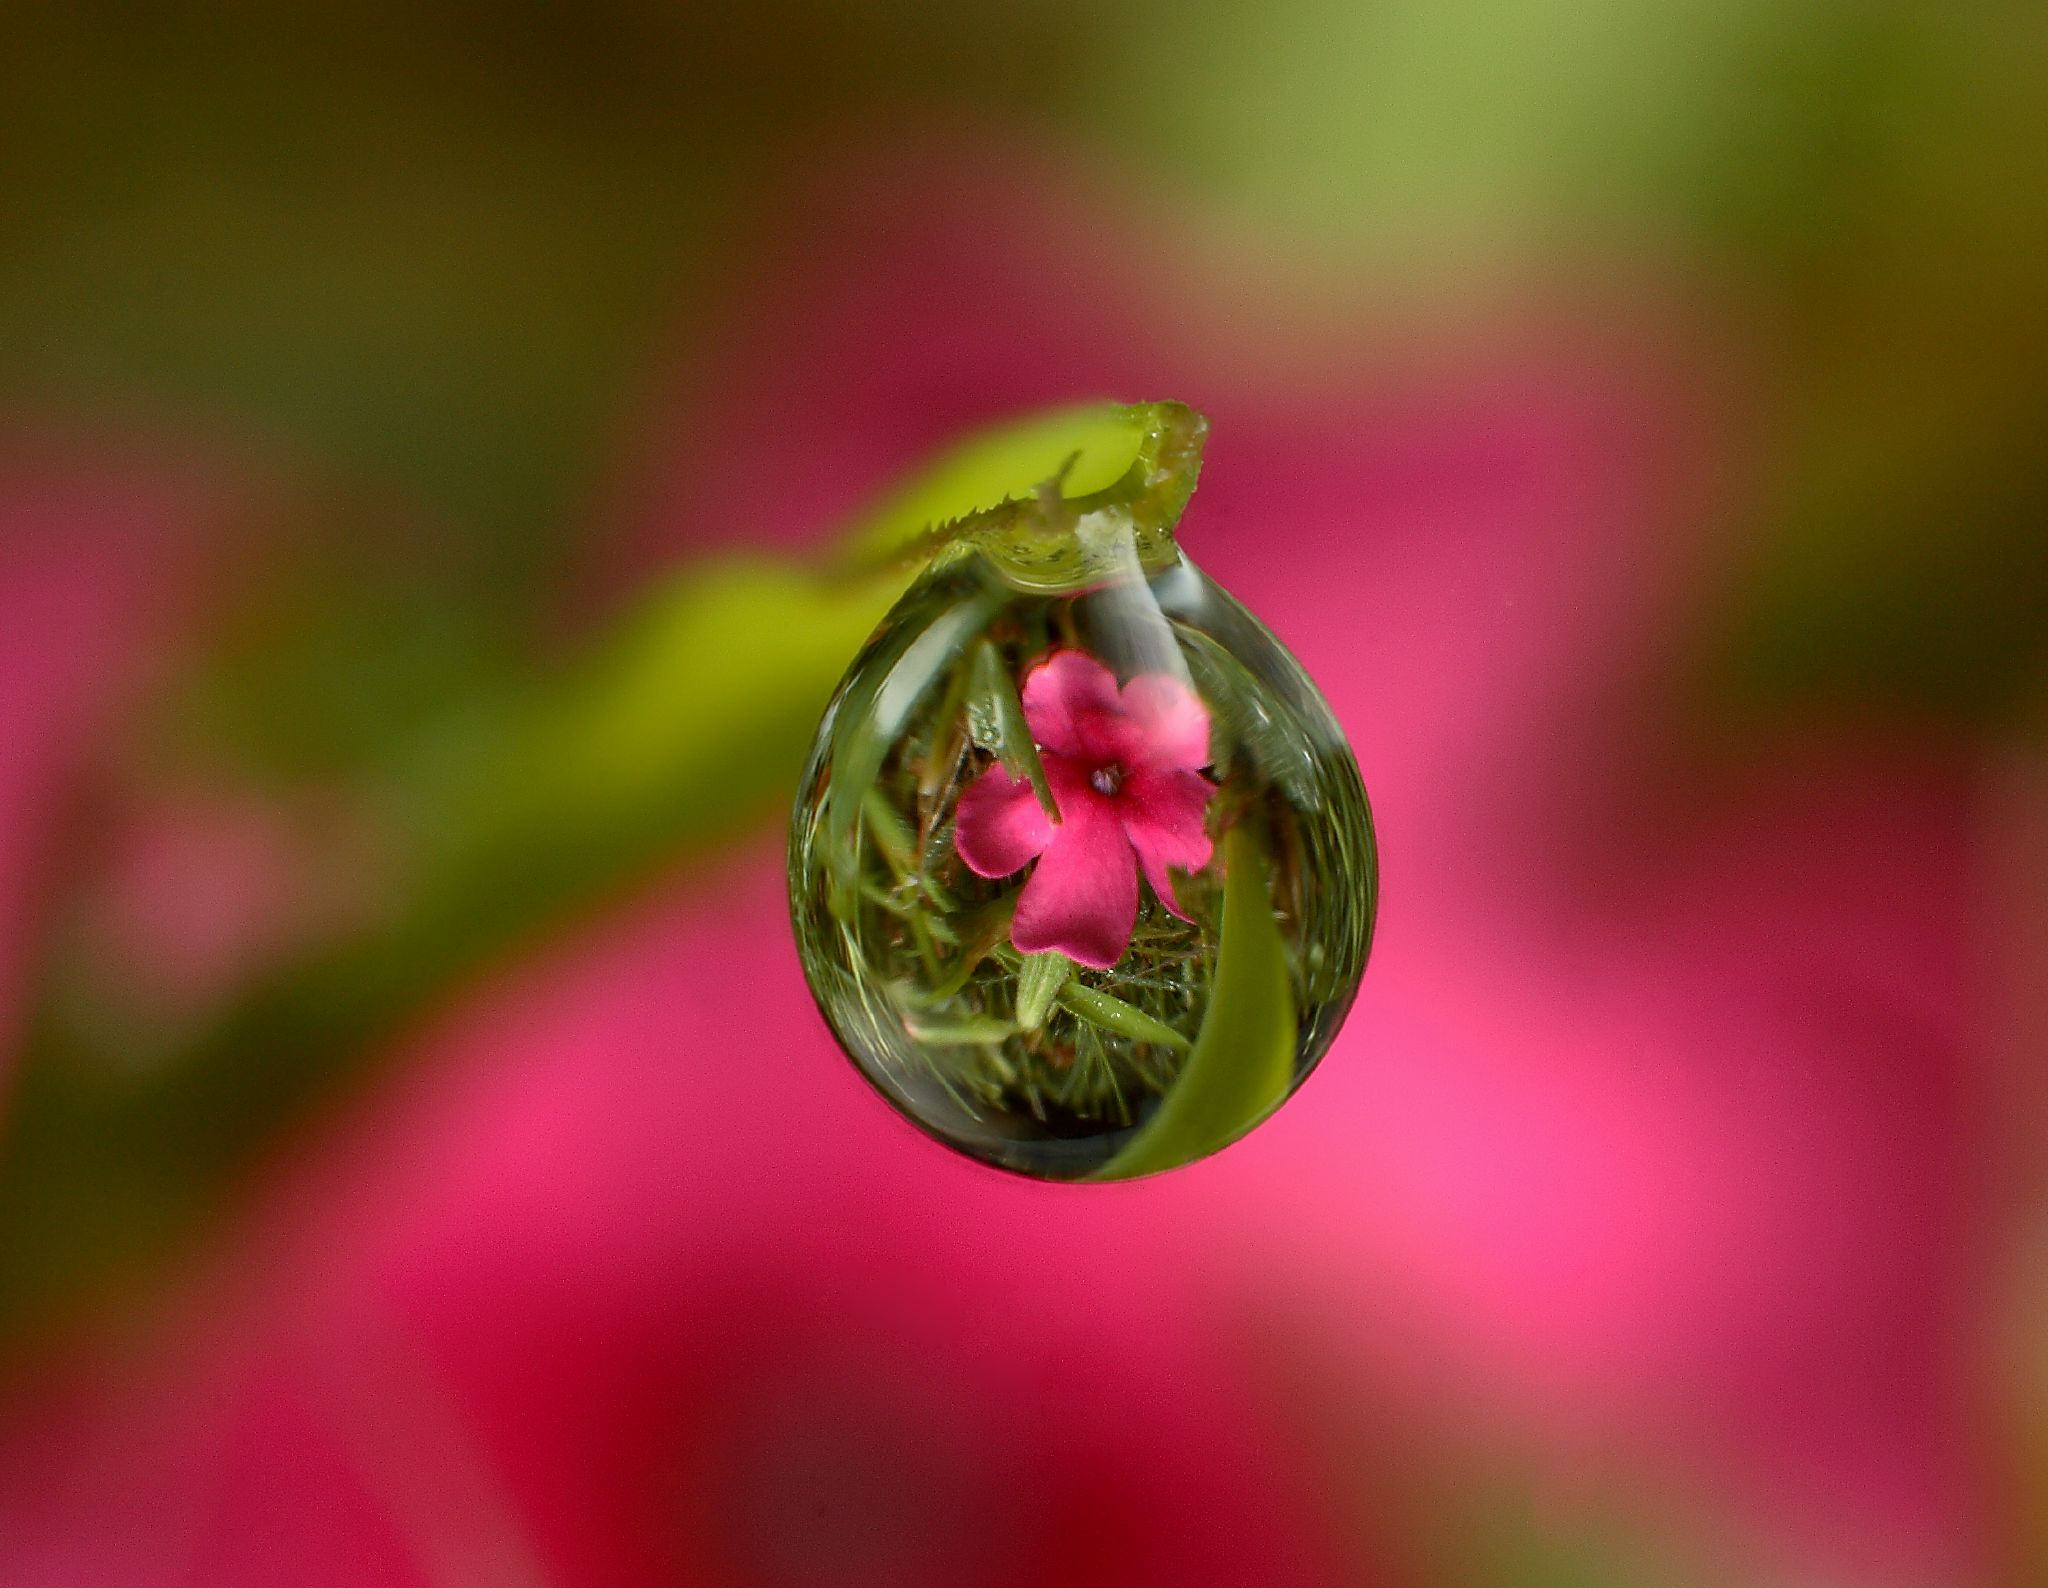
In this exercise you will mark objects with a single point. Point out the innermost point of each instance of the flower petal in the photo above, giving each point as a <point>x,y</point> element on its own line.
<point>1168,724</point>
<point>1070,700</point>
<point>999,824</point>
<point>1083,897</point>
<point>1162,813</point>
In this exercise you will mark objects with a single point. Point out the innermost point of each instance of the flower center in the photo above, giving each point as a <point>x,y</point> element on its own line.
<point>1107,779</point>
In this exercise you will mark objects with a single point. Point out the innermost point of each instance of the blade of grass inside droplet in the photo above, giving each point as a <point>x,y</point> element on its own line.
<point>871,719</point>
<point>907,910</point>
<point>1243,1059</point>
<point>934,890</point>
<point>927,951</point>
<point>1038,983</point>
<point>892,833</point>
<point>996,693</point>
<point>978,942</point>
<point>943,756</point>
<point>970,1030</point>
<point>1241,712</point>
<point>1114,1015</point>
<point>1102,1009</point>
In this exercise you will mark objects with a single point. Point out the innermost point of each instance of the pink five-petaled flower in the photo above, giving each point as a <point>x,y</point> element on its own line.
<point>1124,766</point>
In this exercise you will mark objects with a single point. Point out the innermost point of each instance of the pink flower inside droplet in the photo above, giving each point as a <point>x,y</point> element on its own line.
<point>1125,770</point>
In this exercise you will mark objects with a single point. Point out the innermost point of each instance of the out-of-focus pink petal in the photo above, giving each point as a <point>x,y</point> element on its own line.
<point>999,824</point>
<point>1168,722</point>
<point>1162,814</point>
<point>1082,900</point>
<point>538,1333</point>
<point>1070,700</point>
<point>88,591</point>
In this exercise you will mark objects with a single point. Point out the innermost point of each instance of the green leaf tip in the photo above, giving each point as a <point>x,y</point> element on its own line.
<point>1113,467</point>
<point>1038,983</point>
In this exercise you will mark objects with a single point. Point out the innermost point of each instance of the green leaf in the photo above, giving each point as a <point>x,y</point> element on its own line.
<point>1001,726</point>
<point>972,1030</point>
<point>1242,1064</point>
<point>1098,1008</point>
<point>1034,537</point>
<point>1243,714</point>
<point>1038,983</point>
<point>1095,443</point>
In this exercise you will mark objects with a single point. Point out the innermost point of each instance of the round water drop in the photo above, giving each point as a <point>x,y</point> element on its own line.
<point>1081,868</point>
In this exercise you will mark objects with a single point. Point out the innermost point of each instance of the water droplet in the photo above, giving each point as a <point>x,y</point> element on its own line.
<point>1082,873</point>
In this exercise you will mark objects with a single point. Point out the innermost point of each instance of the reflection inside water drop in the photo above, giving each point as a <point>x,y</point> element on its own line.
<point>1083,881</point>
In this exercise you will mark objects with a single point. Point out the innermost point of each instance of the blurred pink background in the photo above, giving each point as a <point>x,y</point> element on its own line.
<point>1668,1211</point>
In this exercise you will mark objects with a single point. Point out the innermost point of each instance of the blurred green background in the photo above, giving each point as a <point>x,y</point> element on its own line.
<point>449,248</point>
